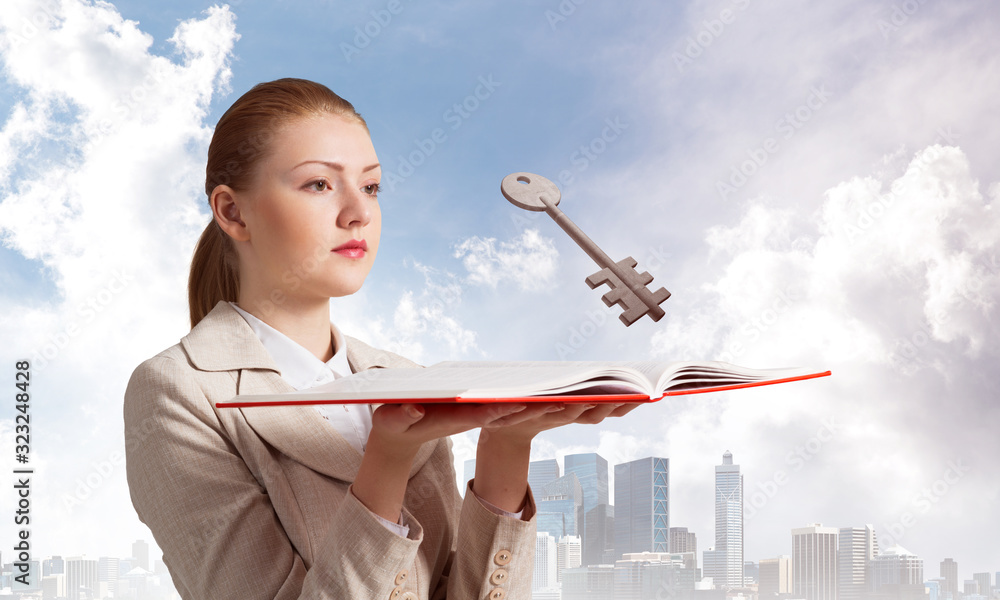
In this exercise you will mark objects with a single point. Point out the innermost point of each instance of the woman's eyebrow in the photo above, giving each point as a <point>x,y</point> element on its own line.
<point>334,166</point>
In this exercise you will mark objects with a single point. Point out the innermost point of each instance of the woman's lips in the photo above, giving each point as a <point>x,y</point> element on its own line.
<point>352,249</point>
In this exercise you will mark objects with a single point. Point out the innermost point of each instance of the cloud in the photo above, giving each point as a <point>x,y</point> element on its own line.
<point>101,175</point>
<point>893,286</point>
<point>425,324</point>
<point>528,261</point>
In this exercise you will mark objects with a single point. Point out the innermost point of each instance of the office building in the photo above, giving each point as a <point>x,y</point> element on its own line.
<point>140,551</point>
<point>934,587</point>
<point>53,586</point>
<point>713,564</point>
<point>594,582</point>
<point>52,566</point>
<point>560,507</point>
<point>856,547</point>
<point>949,572</point>
<point>81,578</point>
<point>644,575</point>
<point>592,471</point>
<point>568,550</point>
<point>599,544</point>
<point>682,540</point>
<point>642,506</point>
<point>775,577</point>
<point>898,574</point>
<point>814,562</point>
<point>107,572</point>
<point>983,579</point>
<point>542,473</point>
<point>726,569</point>
<point>545,562</point>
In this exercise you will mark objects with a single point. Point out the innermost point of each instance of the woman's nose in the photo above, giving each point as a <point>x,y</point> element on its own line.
<point>356,210</point>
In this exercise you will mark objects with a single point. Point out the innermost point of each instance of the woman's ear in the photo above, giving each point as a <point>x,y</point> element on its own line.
<point>227,213</point>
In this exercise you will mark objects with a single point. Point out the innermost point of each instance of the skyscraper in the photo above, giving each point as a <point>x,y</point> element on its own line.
<point>898,573</point>
<point>567,554</point>
<point>560,507</point>
<point>592,471</point>
<point>856,547</point>
<point>985,589</point>
<point>599,523</point>
<point>107,572</point>
<point>814,562</point>
<point>140,551</point>
<point>727,563</point>
<point>682,540</point>
<point>545,562</point>
<point>949,572</point>
<point>81,578</point>
<point>541,473</point>
<point>775,576</point>
<point>52,566</point>
<point>642,506</point>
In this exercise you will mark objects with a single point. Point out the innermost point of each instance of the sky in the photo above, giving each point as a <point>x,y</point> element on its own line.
<point>815,184</point>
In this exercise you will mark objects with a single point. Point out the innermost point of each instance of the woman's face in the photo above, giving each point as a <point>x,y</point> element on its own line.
<point>312,210</point>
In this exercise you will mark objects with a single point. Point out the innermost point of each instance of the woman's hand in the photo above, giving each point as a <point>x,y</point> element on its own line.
<point>398,431</point>
<point>505,446</point>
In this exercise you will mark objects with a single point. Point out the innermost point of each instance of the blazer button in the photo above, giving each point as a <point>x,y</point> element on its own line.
<point>401,577</point>
<point>497,594</point>
<point>502,558</point>
<point>396,593</point>
<point>499,576</point>
<point>409,596</point>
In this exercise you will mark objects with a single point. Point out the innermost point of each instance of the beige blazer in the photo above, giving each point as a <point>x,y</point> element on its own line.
<point>253,502</point>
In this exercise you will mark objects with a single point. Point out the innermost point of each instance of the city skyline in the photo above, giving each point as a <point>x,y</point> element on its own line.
<point>861,542</point>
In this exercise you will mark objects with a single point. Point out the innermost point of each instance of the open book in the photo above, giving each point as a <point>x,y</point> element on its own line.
<point>536,381</point>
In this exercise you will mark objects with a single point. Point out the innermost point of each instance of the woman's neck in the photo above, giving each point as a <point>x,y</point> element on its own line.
<point>305,323</point>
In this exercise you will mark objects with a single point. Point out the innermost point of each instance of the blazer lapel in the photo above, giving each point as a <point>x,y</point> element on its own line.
<point>223,341</point>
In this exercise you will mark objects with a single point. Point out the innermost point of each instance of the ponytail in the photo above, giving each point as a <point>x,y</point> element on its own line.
<point>214,274</point>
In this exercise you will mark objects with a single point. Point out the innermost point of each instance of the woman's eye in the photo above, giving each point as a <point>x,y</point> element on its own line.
<point>371,189</point>
<point>320,185</point>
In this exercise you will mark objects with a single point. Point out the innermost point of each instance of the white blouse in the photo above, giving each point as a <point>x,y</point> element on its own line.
<point>302,370</point>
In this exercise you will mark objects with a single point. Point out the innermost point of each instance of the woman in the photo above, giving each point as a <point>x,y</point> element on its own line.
<point>300,502</point>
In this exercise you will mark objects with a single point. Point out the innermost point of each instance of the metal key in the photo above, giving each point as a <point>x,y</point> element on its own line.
<point>628,287</point>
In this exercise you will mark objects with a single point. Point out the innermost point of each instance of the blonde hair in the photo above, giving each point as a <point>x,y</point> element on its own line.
<point>241,139</point>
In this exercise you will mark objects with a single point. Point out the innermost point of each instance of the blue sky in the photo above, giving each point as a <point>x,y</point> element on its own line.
<point>815,184</point>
